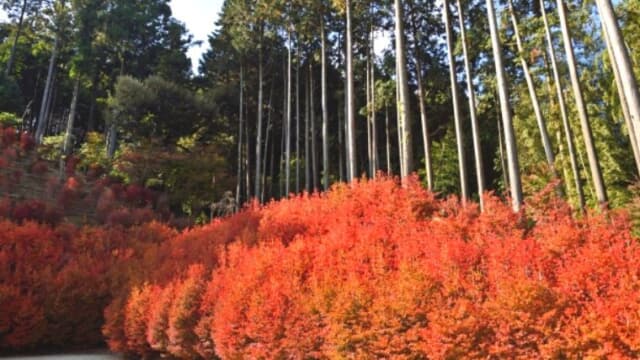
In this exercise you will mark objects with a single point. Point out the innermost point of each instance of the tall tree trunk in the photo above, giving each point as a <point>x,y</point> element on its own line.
<point>388,138</point>
<point>12,53</point>
<point>568,133</point>
<point>297,116</point>
<point>240,129</point>
<point>258,178</point>
<point>399,125</point>
<point>374,127</point>
<point>623,64</point>
<point>542,126</point>
<point>352,172</point>
<point>266,146</point>
<point>307,142</point>
<point>112,134</point>
<point>403,90</point>
<point>48,109</point>
<point>462,163</point>
<point>368,111</point>
<point>42,116</point>
<point>623,103</point>
<point>287,160</point>
<point>272,168</point>
<point>592,155</point>
<point>341,158</point>
<point>283,135</point>
<point>312,118</point>
<point>475,128</point>
<point>247,156</point>
<point>503,92</point>
<point>66,148</point>
<point>460,141</point>
<point>325,110</point>
<point>428,165</point>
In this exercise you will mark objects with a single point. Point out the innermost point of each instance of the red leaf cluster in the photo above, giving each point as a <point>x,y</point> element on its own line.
<point>56,282</point>
<point>380,270</point>
<point>368,270</point>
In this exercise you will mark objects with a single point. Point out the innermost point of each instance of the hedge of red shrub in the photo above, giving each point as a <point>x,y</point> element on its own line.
<point>56,281</point>
<point>369,270</point>
<point>379,270</point>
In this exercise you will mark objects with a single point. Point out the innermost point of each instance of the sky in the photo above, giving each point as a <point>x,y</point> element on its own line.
<point>200,17</point>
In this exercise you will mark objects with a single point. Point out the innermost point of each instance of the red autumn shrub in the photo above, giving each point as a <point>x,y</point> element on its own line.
<point>8,136</point>
<point>158,323</point>
<point>34,210</point>
<point>368,270</point>
<point>185,313</point>
<point>21,319</point>
<point>364,278</point>
<point>39,167</point>
<point>136,318</point>
<point>27,142</point>
<point>71,164</point>
<point>113,328</point>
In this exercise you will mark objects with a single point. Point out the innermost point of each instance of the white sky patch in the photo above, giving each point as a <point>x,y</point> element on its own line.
<point>382,41</point>
<point>200,17</point>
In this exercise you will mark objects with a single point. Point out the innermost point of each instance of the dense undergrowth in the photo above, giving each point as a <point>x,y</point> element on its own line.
<point>369,270</point>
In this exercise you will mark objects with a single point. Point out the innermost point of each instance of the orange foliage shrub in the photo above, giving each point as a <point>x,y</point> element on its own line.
<point>185,313</point>
<point>158,324</point>
<point>368,270</point>
<point>136,318</point>
<point>378,270</point>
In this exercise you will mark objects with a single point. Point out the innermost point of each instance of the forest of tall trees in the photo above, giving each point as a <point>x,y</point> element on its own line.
<point>474,96</point>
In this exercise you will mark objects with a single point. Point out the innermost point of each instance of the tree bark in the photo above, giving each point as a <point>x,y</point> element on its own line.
<point>312,118</point>
<point>42,116</point>
<point>12,53</point>
<point>542,126</point>
<point>352,172</point>
<point>368,111</point>
<point>462,166</point>
<point>568,133</point>
<point>325,110</point>
<point>428,164</point>
<point>623,103</point>
<point>503,93</point>
<point>403,89</point>
<point>307,142</point>
<point>266,146</point>
<point>258,176</point>
<point>287,160</point>
<point>475,128</point>
<point>240,129</point>
<point>388,138</point>
<point>374,127</point>
<point>623,65</point>
<point>66,147</point>
<point>592,155</point>
<point>297,116</point>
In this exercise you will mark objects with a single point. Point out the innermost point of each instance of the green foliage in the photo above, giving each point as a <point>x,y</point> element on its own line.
<point>445,163</point>
<point>193,177</point>
<point>156,108</point>
<point>9,120</point>
<point>92,152</point>
<point>10,95</point>
<point>51,147</point>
